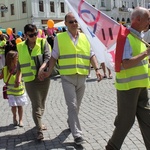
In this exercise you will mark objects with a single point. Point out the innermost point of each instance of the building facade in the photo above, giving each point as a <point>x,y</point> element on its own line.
<point>17,13</point>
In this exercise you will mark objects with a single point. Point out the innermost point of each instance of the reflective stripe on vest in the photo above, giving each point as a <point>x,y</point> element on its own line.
<point>16,91</point>
<point>2,44</point>
<point>27,64</point>
<point>137,76</point>
<point>73,58</point>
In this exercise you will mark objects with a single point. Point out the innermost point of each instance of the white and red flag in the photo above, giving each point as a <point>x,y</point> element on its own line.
<point>100,29</point>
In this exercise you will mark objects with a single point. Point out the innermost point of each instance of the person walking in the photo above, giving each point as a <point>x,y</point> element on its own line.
<point>103,66</point>
<point>31,62</point>
<point>15,93</point>
<point>74,55</point>
<point>132,82</point>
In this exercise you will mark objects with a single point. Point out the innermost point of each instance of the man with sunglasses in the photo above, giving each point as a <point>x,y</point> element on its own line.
<point>74,55</point>
<point>31,62</point>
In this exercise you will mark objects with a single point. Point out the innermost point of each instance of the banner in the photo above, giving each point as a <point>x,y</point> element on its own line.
<point>99,28</point>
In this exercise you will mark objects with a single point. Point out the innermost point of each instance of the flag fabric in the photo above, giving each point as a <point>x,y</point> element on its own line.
<point>100,29</point>
<point>123,32</point>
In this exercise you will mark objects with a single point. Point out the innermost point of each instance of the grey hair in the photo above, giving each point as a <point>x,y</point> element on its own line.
<point>138,11</point>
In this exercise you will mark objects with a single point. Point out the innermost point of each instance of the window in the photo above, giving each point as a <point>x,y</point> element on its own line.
<point>125,4</point>
<point>12,9</point>
<point>62,7</point>
<point>24,8</point>
<point>114,3</point>
<point>2,14</point>
<point>102,3</point>
<point>118,20</point>
<point>41,6</point>
<point>148,5</point>
<point>122,3</point>
<point>52,7</point>
<point>128,20</point>
<point>133,5</point>
<point>123,20</point>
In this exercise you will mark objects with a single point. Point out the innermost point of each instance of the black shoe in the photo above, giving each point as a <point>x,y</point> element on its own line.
<point>79,140</point>
<point>40,136</point>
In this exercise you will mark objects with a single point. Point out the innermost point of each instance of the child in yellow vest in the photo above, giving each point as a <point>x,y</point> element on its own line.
<point>16,92</point>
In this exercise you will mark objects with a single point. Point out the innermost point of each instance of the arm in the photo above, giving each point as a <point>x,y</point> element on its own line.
<point>44,74</point>
<point>52,61</point>
<point>18,76</point>
<point>133,61</point>
<point>96,67</point>
<point>47,55</point>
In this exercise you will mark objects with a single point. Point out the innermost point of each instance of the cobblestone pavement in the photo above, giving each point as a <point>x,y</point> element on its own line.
<point>97,114</point>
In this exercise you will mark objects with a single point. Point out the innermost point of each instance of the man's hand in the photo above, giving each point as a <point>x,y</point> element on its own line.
<point>43,74</point>
<point>99,76</point>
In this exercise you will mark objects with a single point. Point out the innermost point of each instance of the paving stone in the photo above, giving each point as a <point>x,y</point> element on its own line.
<point>97,114</point>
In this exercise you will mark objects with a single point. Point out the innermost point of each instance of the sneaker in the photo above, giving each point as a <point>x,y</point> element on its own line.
<point>79,140</point>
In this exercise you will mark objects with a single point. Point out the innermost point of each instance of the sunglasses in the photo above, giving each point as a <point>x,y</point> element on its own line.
<point>32,35</point>
<point>72,21</point>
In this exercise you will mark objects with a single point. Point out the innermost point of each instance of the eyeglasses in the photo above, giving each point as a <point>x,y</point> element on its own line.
<point>72,21</point>
<point>32,35</point>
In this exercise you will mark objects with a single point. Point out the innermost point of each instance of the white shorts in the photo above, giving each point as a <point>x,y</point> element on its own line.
<point>17,100</point>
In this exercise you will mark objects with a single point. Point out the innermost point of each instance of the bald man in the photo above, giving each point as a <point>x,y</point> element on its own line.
<point>132,83</point>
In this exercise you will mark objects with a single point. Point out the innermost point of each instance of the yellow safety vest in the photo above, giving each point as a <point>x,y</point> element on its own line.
<point>26,60</point>
<point>2,44</point>
<point>73,58</point>
<point>16,91</point>
<point>137,76</point>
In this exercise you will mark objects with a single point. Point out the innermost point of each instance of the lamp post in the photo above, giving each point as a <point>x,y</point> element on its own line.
<point>3,8</point>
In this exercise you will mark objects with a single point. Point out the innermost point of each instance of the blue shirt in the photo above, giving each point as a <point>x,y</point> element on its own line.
<point>127,54</point>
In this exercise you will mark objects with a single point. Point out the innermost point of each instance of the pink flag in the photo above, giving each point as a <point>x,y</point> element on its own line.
<point>99,28</point>
<point>123,32</point>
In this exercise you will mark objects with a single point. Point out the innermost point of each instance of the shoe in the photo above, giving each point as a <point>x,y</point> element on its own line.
<point>20,124</point>
<point>89,76</point>
<point>79,140</point>
<point>104,76</point>
<point>108,147</point>
<point>110,77</point>
<point>44,127</point>
<point>40,136</point>
<point>15,122</point>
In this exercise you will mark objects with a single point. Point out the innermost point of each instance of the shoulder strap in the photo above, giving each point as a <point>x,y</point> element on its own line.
<point>42,47</point>
<point>10,75</point>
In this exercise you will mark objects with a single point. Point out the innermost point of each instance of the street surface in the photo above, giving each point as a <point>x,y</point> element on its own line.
<point>97,114</point>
